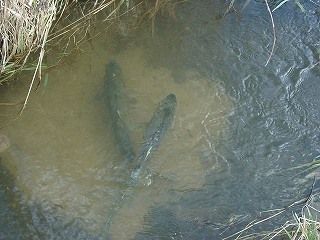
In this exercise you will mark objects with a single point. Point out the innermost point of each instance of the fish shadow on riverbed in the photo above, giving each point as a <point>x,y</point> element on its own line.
<point>161,223</point>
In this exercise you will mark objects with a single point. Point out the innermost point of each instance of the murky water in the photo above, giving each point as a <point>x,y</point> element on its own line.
<point>239,126</point>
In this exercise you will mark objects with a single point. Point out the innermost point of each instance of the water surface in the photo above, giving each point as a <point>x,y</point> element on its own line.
<point>239,126</point>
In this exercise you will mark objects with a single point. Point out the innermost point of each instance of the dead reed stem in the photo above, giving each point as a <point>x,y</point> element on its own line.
<point>26,27</point>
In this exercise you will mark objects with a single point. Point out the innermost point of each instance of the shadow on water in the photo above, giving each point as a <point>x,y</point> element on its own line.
<point>239,126</point>
<point>13,215</point>
<point>165,225</point>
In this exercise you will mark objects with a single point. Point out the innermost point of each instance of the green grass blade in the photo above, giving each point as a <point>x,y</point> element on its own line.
<point>246,4</point>
<point>229,7</point>
<point>45,83</point>
<point>279,5</point>
<point>288,234</point>
<point>300,6</point>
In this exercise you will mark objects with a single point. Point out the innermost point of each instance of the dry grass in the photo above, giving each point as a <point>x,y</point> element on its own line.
<point>28,25</point>
<point>305,226</point>
<point>24,26</point>
<point>164,6</point>
<point>110,12</point>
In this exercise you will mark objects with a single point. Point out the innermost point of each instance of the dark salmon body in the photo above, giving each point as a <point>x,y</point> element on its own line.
<point>156,130</point>
<point>115,91</point>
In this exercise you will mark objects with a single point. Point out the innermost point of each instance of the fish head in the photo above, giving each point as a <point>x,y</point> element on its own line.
<point>169,102</point>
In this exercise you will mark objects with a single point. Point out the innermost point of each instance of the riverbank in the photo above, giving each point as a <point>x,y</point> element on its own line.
<point>32,27</point>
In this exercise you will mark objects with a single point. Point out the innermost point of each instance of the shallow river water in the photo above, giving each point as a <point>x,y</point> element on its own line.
<point>238,129</point>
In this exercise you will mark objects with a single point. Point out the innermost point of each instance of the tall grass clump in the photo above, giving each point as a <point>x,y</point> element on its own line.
<point>304,226</point>
<point>24,27</point>
<point>27,26</point>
